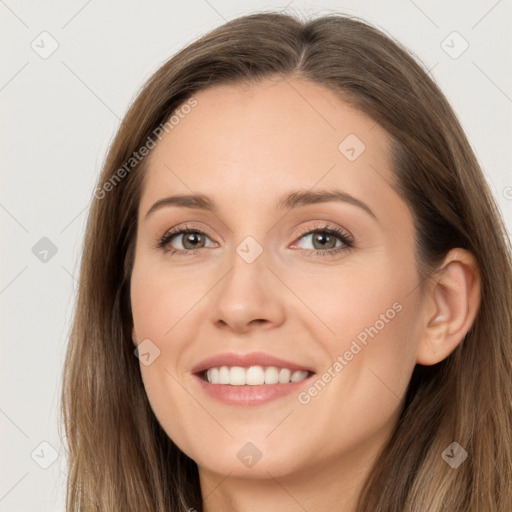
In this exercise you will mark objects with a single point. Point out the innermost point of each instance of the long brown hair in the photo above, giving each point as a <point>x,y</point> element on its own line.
<point>120,459</point>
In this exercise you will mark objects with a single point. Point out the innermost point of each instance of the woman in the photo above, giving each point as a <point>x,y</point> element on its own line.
<point>295,291</point>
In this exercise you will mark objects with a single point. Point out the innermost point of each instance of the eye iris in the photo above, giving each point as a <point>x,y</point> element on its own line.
<point>189,238</point>
<point>322,237</point>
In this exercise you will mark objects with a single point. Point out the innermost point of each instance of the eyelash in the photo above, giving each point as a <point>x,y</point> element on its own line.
<point>330,230</point>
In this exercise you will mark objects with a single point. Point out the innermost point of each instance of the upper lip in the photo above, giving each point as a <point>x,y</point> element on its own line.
<point>246,360</point>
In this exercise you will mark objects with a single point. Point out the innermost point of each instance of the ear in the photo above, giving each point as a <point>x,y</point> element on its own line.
<point>134,337</point>
<point>450,306</point>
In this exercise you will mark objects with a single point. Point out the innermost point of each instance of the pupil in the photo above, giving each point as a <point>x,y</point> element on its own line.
<point>190,239</point>
<point>321,236</point>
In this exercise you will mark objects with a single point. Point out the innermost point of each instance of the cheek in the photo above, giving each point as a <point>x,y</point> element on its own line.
<point>365,302</point>
<point>159,301</point>
<point>359,392</point>
<point>164,313</point>
<point>372,317</point>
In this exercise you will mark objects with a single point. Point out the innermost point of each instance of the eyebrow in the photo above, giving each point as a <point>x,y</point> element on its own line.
<point>292,200</point>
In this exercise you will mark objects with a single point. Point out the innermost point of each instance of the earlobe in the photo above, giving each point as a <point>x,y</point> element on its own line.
<point>450,307</point>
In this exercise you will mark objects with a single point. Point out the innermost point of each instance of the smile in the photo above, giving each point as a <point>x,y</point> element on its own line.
<point>253,375</point>
<point>250,379</point>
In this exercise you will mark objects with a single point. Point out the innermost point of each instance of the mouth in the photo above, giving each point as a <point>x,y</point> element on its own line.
<point>250,379</point>
<point>253,375</point>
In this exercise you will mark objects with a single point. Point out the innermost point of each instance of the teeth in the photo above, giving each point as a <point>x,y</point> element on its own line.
<point>284,375</point>
<point>254,375</point>
<point>236,376</point>
<point>271,375</point>
<point>223,375</point>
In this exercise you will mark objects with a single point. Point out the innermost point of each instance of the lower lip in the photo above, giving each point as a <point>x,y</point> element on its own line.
<point>250,395</point>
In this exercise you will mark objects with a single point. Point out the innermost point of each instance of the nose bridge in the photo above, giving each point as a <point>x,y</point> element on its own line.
<point>248,291</point>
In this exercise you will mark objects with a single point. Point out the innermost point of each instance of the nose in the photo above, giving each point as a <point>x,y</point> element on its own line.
<point>248,297</point>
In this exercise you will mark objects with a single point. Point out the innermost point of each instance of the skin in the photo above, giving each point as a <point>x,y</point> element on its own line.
<point>245,147</point>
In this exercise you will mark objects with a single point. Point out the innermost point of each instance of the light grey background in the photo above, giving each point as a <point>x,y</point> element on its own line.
<point>59,114</point>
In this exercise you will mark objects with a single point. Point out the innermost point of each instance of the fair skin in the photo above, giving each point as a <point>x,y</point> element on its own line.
<point>245,148</point>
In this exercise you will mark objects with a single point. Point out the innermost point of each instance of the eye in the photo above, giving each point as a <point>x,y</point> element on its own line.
<point>325,240</point>
<point>189,237</point>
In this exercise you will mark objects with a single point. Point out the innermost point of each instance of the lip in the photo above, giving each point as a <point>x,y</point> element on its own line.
<point>247,360</point>
<point>244,396</point>
<point>249,395</point>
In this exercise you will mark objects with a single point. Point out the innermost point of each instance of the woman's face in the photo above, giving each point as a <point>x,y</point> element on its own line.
<point>276,165</point>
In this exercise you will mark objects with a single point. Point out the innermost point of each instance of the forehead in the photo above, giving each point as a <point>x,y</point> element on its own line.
<point>243,142</point>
